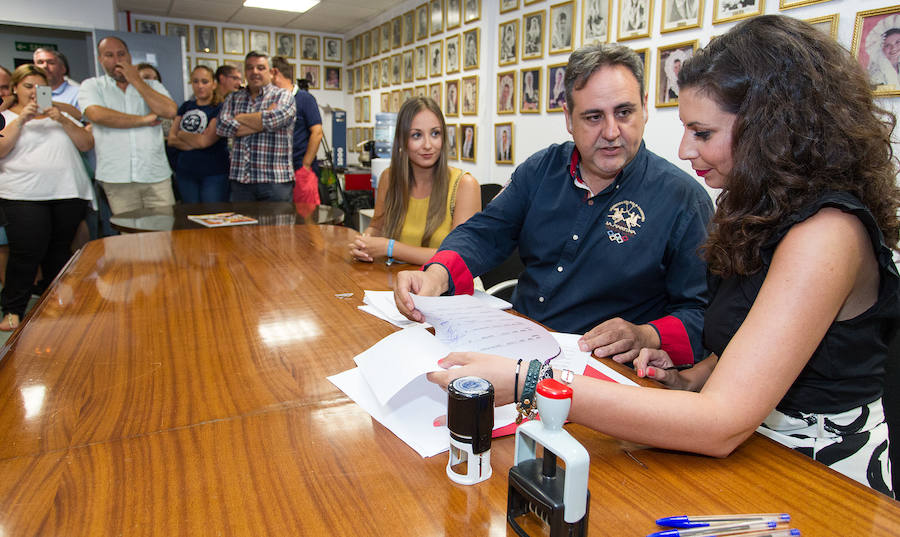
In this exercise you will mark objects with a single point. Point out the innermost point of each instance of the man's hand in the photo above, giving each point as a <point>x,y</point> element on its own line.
<point>618,339</point>
<point>431,282</point>
<point>129,71</point>
<point>150,120</point>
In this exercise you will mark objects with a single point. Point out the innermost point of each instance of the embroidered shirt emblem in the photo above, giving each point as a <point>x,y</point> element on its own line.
<point>624,220</point>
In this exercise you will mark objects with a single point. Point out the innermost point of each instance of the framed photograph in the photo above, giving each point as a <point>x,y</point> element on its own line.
<point>533,35</point>
<point>310,48</point>
<point>351,51</point>
<point>205,39</point>
<point>421,91</point>
<point>644,54</point>
<point>451,105</point>
<point>789,4</point>
<point>827,24</point>
<point>529,2</point>
<point>367,45</point>
<point>259,41</point>
<point>366,109</point>
<point>181,30</point>
<point>556,87</point>
<point>395,101</point>
<point>357,78</point>
<point>503,142</point>
<point>467,144</point>
<point>146,27</point>
<point>434,91</point>
<point>470,95</point>
<point>376,74</point>
<point>405,95</point>
<point>562,17</point>
<point>876,44</point>
<point>396,32</point>
<point>285,45</point>
<point>366,77</point>
<point>454,14</point>
<point>681,15</point>
<point>351,81</point>
<point>385,101</point>
<point>451,46</point>
<point>471,38</point>
<point>237,64</point>
<point>509,42</point>
<point>471,10</point>
<point>396,74</point>
<point>422,22</point>
<point>452,141</point>
<point>233,41</point>
<point>408,73</point>
<point>634,19</point>
<point>670,58</point>
<point>386,36</point>
<point>421,62</point>
<point>359,47</point>
<point>212,63</point>
<point>333,78</point>
<point>333,52</point>
<point>595,21</point>
<point>357,109</point>
<point>508,5</point>
<point>311,74</point>
<point>436,7</point>
<point>506,92</point>
<point>385,72</point>
<point>732,10</point>
<point>409,33</point>
<point>436,58</point>
<point>376,41</point>
<point>530,92</point>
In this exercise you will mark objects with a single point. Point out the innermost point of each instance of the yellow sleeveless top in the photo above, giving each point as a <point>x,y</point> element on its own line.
<point>417,213</point>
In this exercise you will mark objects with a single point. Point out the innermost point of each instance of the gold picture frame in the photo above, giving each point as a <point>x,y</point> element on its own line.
<point>233,41</point>
<point>530,90</point>
<point>635,19</point>
<point>504,152</point>
<point>436,17</point>
<point>286,44</point>
<point>826,21</point>
<point>471,15</point>
<point>680,15</point>
<point>311,73</point>
<point>469,95</point>
<point>669,59</point>
<point>452,141</point>
<point>436,58</point>
<point>206,39</point>
<point>722,14</point>
<point>180,30</point>
<point>556,88</point>
<point>596,21</point>
<point>451,98</point>
<point>870,30</point>
<point>309,48</point>
<point>791,4</point>
<point>451,54</point>
<point>508,43</point>
<point>468,142</point>
<point>506,92</point>
<point>261,41</point>
<point>332,79</point>
<point>533,25</point>
<point>146,27</point>
<point>561,28</point>
<point>471,53</point>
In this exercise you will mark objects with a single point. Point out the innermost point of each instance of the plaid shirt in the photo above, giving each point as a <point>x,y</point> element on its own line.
<point>263,157</point>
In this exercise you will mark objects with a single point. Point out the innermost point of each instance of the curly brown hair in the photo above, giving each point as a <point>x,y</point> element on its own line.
<point>806,123</point>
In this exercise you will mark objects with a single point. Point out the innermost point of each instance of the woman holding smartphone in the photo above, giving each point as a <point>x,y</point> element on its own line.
<point>44,190</point>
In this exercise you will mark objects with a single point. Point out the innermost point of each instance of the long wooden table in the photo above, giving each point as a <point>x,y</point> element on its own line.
<point>174,384</point>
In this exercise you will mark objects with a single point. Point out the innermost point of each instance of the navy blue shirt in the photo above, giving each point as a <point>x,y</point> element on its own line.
<point>629,251</point>
<point>212,160</point>
<point>307,116</point>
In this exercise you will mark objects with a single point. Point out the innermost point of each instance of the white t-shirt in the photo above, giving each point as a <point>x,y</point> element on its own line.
<point>43,165</point>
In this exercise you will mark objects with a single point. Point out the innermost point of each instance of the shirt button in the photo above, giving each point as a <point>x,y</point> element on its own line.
<point>540,299</point>
<point>590,202</point>
<point>558,269</point>
<point>574,237</point>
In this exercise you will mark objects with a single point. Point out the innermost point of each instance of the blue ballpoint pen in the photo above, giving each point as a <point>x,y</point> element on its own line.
<point>699,521</point>
<point>716,530</point>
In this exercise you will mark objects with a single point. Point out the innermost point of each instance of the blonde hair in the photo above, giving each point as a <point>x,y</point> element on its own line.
<point>401,174</point>
<point>21,73</point>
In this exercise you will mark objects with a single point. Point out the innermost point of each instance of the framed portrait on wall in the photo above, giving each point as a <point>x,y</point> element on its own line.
<point>333,78</point>
<point>405,95</point>
<point>311,74</point>
<point>503,142</point>
<point>205,39</point>
<point>386,101</point>
<point>310,48</point>
<point>471,10</point>
<point>634,19</point>
<point>595,21</point>
<point>644,54</point>
<point>357,76</point>
<point>508,5</point>
<point>530,91</point>
<point>259,41</point>
<point>333,52</point>
<point>471,53</point>
<point>681,15</point>
<point>396,73</point>
<point>467,144</point>
<point>436,7</point>
<point>376,40</point>
<point>146,27</point>
<point>409,27</point>
<point>421,91</point>
<point>211,63</point>
<point>508,36</point>
<point>408,72</point>
<point>421,62</point>
<point>827,24</point>
<point>562,20</point>
<point>789,4</point>
<point>366,111</point>
<point>233,40</point>
<point>366,77</point>
<point>351,82</point>
<point>396,32</point>
<point>876,45</point>
<point>470,95</point>
<point>533,35</point>
<point>385,72</point>
<point>351,51</point>
<point>556,87</point>
<point>285,45</point>
<point>451,46</point>
<point>436,58</point>
<point>386,36</point>
<point>357,109</point>
<point>670,58</point>
<point>453,15</point>
<point>376,74</point>
<point>452,141</point>
<point>237,64</point>
<point>395,101</point>
<point>180,30</point>
<point>434,91</point>
<point>422,22</point>
<point>506,92</point>
<point>366,45</point>
<point>732,10</point>
<point>451,104</point>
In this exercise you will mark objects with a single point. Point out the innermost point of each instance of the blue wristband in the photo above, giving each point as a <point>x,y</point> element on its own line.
<point>390,252</point>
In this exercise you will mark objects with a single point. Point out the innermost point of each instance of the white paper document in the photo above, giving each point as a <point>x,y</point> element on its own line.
<point>381,304</point>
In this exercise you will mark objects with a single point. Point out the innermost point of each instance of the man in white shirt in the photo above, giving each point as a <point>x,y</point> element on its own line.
<point>126,111</point>
<point>57,67</point>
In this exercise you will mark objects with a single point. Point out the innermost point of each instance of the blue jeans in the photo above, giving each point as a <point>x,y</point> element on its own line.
<point>262,191</point>
<point>201,188</point>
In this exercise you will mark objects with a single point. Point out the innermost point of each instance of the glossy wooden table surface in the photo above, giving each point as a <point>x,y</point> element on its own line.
<point>268,213</point>
<point>174,384</point>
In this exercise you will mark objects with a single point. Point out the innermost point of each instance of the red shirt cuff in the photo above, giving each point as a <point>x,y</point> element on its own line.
<point>674,340</point>
<point>461,280</point>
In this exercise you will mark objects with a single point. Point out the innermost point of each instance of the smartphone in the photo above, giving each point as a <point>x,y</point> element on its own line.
<point>44,100</point>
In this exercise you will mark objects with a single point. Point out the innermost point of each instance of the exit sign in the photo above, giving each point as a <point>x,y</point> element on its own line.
<point>24,46</point>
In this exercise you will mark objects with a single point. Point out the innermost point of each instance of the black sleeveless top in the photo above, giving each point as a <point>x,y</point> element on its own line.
<point>847,368</point>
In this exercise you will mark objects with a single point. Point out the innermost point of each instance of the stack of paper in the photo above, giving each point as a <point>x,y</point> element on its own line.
<point>381,304</point>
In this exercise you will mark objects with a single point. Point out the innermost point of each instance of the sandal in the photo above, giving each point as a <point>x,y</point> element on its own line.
<point>10,322</point>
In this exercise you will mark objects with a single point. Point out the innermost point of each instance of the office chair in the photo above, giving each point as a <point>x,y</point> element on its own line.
<point>501,280</point>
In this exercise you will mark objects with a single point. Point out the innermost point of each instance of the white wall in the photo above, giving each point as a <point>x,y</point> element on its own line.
<point>73,14</point>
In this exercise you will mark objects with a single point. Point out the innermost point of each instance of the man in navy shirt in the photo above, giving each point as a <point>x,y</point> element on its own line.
<point>608,231</point>
<point>307,134</point>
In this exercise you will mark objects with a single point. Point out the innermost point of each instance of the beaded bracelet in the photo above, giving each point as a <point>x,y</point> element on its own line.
<point>525,408</point>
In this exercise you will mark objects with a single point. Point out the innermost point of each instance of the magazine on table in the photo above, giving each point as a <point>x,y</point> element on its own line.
<point>222,219</point>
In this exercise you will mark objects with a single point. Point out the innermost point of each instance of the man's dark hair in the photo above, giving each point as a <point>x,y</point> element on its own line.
<point>224,70</point>
<point>587,60</point>
<point>303,84</point>
<point>286,69</point>
<point>255,54</point>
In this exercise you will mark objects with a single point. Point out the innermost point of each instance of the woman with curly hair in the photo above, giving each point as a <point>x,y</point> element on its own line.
<point>804,291</point>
